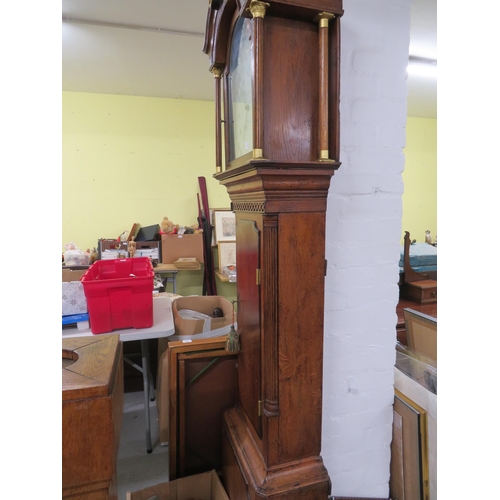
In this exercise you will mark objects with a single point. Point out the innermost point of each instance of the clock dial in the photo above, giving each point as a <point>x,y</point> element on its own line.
<point>240,90</point>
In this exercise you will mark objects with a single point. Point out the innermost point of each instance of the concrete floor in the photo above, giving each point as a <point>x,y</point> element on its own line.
<point>137,469</point>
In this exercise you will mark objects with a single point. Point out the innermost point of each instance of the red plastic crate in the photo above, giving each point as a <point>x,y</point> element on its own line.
<point>119,294</point>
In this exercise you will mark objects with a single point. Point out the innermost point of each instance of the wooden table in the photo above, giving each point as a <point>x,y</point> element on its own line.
<point>168,269</point>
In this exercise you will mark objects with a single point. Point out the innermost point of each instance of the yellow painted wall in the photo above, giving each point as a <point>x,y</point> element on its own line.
<point>420,178</point>
<point>129,159</point>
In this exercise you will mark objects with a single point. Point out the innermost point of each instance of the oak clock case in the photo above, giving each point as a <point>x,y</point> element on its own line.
<point>276,77</point>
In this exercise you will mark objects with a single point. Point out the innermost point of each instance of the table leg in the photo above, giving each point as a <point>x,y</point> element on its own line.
<point>145,378</point>
<point>151,380</point>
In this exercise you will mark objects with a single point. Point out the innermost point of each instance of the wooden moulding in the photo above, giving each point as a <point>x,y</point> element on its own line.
<point>280,188</point>
<point>296,480</point>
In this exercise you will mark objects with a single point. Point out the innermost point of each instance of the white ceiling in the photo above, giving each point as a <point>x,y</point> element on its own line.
<point>154,48</point>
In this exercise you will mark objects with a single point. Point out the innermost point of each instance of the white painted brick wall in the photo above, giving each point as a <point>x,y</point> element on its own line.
<point>362,248</point>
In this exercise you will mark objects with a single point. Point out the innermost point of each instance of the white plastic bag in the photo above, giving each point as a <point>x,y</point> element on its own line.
<point>73,256</point>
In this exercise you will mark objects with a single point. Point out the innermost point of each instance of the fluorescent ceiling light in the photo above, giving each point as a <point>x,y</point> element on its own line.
<point>420,66</point>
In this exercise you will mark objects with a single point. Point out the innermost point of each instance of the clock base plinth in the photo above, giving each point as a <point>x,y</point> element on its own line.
<point>247,477</point>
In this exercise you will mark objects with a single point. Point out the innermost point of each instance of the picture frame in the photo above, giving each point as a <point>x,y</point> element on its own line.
<point>212,222</point>
<point>224,225</point>
<point>409,453</point>
<point>226,253</point>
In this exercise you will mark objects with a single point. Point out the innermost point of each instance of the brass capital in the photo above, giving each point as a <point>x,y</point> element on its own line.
<point>258,154</point>
<point>322,18</point>
<point>217,72</point>
<point>258,8</point>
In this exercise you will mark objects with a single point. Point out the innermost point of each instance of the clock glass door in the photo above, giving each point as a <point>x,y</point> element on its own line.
<point>239,85</point>
<point>249,358</point>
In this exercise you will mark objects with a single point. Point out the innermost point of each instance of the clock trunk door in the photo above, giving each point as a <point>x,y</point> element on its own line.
<point>249,361</point>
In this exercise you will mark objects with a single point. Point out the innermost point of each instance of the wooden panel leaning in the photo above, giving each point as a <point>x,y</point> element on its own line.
<point>201,380</point>
<point>421,335</point>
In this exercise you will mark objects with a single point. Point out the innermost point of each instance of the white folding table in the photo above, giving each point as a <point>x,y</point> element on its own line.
<point>163,326</point>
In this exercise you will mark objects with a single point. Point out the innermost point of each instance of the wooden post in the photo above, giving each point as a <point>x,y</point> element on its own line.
<point>323,130</point>
<point>258,11</point>
<point>217,72</point>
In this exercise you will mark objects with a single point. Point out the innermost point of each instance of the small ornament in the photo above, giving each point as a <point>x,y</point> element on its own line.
<point>132,247</point>
<point>428,237</point>
<point>233,339</point>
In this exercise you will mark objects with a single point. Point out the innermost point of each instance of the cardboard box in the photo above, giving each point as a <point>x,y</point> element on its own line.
<point>204,304</point>
<point>175,246</point>
<point>205,486</point>
<point>73,296</point>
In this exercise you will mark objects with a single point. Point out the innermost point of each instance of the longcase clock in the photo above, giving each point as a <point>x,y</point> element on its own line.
<point>276,73</point>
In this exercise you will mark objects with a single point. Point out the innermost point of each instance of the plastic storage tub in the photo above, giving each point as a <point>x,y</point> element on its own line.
<point>119,294</point>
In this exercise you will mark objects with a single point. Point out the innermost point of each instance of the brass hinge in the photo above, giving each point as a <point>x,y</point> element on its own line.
<point>257,276</point>
<point>259,408</point>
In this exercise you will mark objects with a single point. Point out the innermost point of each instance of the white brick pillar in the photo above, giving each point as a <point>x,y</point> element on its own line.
<point>362,248</point>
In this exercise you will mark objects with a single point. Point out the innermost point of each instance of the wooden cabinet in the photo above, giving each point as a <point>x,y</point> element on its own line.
<point>276,68</point>
<point>92,409</point>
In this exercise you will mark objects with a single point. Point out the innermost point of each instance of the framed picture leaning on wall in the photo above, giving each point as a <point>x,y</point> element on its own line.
<point>227,254</point>
<point>409,454</point>
<point>225,225</point>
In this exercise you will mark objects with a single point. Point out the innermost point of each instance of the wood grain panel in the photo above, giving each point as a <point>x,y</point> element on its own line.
<point>301,334</point>
<point>290,111</point>
<point>248,295</point>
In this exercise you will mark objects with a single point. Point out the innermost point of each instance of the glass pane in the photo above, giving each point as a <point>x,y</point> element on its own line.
<point>240,89</point>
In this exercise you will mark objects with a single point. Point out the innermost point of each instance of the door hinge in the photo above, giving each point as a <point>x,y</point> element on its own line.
<point>258,276</point>
<point>259,403</point>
